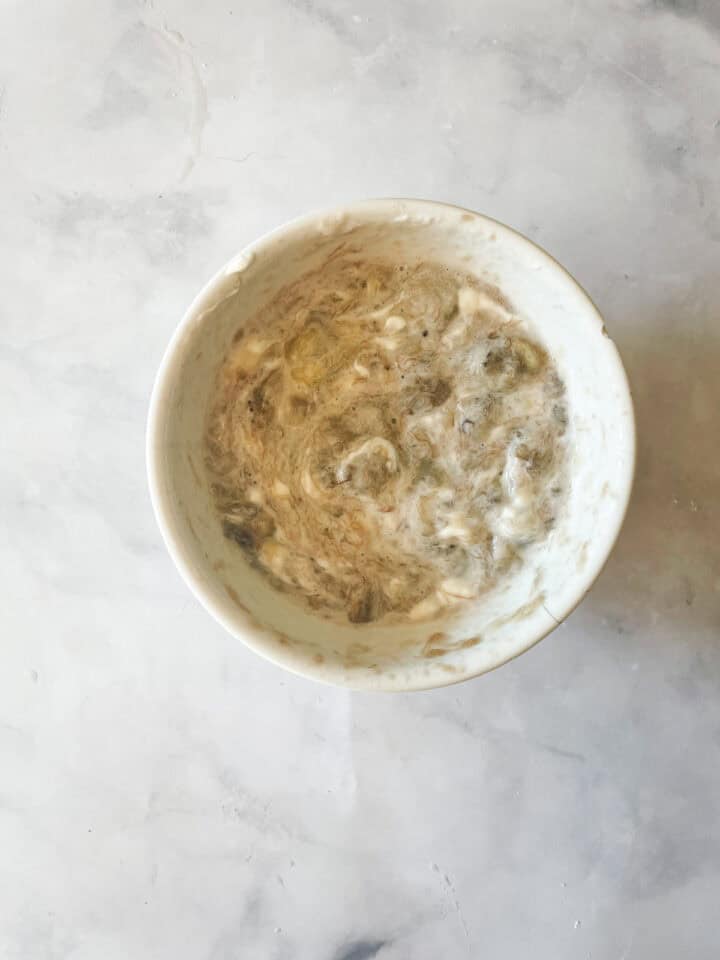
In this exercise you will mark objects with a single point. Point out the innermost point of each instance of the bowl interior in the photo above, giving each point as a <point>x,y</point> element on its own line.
<point>522,608</point>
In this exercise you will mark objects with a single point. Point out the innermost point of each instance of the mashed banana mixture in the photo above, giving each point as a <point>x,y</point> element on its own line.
<point>385,440</point>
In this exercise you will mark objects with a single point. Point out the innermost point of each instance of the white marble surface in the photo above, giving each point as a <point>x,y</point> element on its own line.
<point>163,792</point>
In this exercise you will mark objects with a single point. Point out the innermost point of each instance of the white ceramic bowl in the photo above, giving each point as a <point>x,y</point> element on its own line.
<point>520,610</point>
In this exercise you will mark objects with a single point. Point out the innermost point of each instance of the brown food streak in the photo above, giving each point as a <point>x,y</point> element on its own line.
<point>193,470</point>
<point>498,297</point>
<point>277,635</point>
<point>232,593</point>
<point>521,613</point>
<point>439,644</point>
<point>470,642</point>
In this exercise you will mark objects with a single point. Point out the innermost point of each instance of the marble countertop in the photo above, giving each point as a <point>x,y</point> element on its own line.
<point>163,792</point>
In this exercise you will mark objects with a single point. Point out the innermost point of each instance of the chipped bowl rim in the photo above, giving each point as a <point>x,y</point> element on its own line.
<point>158,412</point>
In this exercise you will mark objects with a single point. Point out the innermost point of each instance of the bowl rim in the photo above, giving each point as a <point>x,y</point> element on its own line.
<point>158,412</point>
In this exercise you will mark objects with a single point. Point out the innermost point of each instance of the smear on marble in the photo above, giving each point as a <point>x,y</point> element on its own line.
<point>119,101</point>
<point>558,752</point>
<point>690,8</point>
<point>451,894</point>
<point>360,949</point>
<point>194,86</point>
<point>162,226</point>
<point>634,76</point>
<point>325,15</point>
